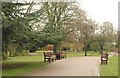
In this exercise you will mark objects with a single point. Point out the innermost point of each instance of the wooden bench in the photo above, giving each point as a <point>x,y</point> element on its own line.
<point>60,55</point>
<point>48,57</point>
<point>104,58</point>
<point>63,54</point>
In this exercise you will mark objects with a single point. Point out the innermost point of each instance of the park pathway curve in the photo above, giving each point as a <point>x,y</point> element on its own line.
<point>74,66</point>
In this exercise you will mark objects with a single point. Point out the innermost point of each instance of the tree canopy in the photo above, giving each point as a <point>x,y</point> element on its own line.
<point>29,26</point>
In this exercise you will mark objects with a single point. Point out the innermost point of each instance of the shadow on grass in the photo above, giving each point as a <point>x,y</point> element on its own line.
<point>17,69</point>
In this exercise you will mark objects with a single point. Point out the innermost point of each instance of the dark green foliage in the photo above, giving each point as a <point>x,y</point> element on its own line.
<point>15,28</point>
<point>18,27</point>
<point>65,48</point>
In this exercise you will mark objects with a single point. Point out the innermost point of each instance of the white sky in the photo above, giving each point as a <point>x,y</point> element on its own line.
<point>102,10</point>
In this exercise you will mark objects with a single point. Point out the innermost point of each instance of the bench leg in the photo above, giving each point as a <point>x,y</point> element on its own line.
<point>65,56</point>
<point>44,60</point>
<point>52,59</point>
<point>101,63</point>
<point>55,58</point>
<point>106,61</point>
<point>49,60</point>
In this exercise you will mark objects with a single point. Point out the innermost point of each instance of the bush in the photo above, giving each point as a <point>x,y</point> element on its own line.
<point>17,53</point>
<point>24,53</point>
<point>4,55</point>
<point>33,49</point>
<point>65,48</point>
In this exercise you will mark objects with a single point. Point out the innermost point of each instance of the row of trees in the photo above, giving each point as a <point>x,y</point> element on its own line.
<point>93,37</point>
<point>29,26</point>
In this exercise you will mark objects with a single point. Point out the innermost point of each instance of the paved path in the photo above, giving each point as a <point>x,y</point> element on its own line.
<point>75,66</point>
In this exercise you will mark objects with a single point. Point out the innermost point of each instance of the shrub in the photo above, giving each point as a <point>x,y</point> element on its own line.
<point>24,53</point>
<point>4,55</point>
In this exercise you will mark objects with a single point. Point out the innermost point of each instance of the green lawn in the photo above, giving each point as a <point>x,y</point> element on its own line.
<point>29,66</point>
<point>77,54</point>
<point>111,69</point>
<point>40,51</point>
<point>30,63</point>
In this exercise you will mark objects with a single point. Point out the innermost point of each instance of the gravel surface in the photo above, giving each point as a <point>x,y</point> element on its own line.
<point>75,66</point>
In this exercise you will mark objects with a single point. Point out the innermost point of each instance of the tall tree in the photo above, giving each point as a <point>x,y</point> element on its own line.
<point>105,34</point>
<point>56,21</point>
<point>15,28</point>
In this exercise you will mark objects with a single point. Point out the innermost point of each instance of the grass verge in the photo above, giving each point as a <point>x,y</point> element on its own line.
<point>19,65</point>
<point>111,69</point>
<point>30,66</point>
<point>77,54</point>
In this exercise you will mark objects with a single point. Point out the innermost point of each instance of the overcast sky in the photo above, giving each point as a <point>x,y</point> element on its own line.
<point>102,10</point>
<point>99,10</point>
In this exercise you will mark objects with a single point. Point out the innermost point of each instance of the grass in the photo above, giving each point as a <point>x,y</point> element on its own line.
<point>0,68</point>
<point>31,63</point>
<point>111,69</point>
<point>40,51</point>
<point>27,58</point>
<point>30,66</point>
<point>77,54</point>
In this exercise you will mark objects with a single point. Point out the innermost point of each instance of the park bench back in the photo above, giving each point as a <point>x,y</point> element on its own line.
<point>47,54</point>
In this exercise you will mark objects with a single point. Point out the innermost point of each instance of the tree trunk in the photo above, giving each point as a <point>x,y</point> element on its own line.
<point>85,48</point>
<point>101,47</point>
<point>55,48</point>
<point>5,53</point>
<point>85,53</point>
